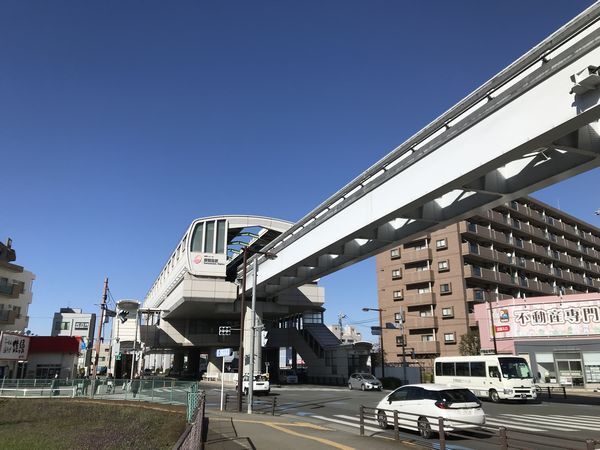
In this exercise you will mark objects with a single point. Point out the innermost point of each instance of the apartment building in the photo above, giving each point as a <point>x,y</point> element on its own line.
<point>518,250</point>
<point>347,334</point>
<point>15,291</point>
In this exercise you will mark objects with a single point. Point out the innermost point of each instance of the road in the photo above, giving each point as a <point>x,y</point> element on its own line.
<point>576,417</point>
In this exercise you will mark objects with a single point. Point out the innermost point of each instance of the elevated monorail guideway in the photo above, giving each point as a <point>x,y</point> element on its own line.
<point>533,124</point>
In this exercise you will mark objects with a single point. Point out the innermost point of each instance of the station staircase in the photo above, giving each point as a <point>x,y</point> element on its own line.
<point>311,343</point>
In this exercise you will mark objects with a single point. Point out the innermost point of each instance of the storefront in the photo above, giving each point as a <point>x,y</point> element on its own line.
<point>559,335</point>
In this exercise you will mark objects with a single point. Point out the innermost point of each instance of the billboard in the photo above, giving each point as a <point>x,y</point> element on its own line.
<point>14,346</point>
<point>547,319</point>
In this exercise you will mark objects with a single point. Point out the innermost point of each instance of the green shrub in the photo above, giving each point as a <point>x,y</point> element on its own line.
<point>427,377</point>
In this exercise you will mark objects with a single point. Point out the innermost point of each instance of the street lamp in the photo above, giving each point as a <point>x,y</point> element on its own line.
<point>380,336</point>
<point>247,250</point>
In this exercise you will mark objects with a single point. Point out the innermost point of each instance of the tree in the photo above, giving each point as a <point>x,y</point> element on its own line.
<point>469,343</point>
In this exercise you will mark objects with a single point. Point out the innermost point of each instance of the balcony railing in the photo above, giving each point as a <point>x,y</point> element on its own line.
<point>410,255</point>
<point>427,298</point>
<point>425,347</point>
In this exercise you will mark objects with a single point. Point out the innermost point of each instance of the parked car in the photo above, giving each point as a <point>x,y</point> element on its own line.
<point>419,405</point>
<point>261,385</point>
<point>288,376</point>
<point>364,381</point>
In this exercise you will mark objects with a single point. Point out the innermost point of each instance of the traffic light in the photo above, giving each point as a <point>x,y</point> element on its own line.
<point>123,315</point>
<point>224,331</point>
<point>263,338</point>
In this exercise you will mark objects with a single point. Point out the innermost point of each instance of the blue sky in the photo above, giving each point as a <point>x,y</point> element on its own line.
<point>120,122</point>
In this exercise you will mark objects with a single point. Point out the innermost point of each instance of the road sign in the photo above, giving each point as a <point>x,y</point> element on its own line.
<point>221,352</point>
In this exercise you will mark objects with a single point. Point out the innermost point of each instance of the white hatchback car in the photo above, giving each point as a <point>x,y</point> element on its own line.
<point>419,405</point>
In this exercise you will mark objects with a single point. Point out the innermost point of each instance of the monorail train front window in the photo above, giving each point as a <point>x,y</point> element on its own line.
<point>514,368</point>
<point>197,237</point>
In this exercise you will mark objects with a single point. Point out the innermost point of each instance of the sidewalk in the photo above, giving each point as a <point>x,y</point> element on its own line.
<point>234,431</point>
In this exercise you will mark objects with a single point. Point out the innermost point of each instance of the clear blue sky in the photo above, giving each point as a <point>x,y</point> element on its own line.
<point>120,122</point>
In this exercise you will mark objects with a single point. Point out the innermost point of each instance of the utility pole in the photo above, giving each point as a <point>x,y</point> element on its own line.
<point>404,380</point>
<point>241,359</point>
<point>100,326</point>
<point>340,317</point>
<point>493,325</point>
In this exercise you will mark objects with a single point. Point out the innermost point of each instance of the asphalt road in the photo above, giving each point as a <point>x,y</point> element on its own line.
<point>575,418</point>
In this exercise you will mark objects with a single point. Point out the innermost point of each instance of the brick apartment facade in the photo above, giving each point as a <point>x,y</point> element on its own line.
<point>518,250</point>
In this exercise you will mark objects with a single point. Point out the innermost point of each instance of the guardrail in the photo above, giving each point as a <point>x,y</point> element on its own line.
<point>549,389</point>
<point>155,390</point>
<point>263,406</point>
<point>503,438</point>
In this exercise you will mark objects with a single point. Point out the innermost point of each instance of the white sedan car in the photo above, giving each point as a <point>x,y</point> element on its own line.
<point>419,405</point>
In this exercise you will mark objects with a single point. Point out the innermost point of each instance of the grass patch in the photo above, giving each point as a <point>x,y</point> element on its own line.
<point>74,424</point>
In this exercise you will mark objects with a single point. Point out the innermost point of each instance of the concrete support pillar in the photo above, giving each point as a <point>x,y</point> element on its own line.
<point>194,361</point>
<point>178,362</point>
<point>248,340</point>
<point>294,359</point>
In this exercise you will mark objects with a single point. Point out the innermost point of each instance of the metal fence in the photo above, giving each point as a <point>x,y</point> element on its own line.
<point>195,434</point>
<point>503,438</point>
<point>156,390</point>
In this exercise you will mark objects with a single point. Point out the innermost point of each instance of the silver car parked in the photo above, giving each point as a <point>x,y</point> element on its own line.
<point>364,381</point>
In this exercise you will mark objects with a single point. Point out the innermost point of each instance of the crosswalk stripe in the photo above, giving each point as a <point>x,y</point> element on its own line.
<point>369,421</point>
<point>589,419</point>
<point>498,423</point>
<point>329,419</point>
<point>551,422</point>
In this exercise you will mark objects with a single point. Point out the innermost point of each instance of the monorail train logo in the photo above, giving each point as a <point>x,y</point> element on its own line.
<point>504,315</point>
<point>198,259</point>
<point>207,260</point>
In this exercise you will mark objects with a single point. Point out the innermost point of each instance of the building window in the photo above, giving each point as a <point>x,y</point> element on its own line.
<point>422,268</point>
<point>427,338</point>
<point>448,311</point>
<point>396,274</point>
<point>398,295</point>
<point>399,341</point>
<point>64,325</point>
<point>445,288</point>
<point>443,266</point>
<point>478,294</point>
<point>450,338</point>
<point>519,242</point>
<point>424,290</point>
<point>398,317</point>
<point>425,313</point>
<point>395,253</point>
<point>516,224</point>
<point>441,244</point>
<point>472,227</point>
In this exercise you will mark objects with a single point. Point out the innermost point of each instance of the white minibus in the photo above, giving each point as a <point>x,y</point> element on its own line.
<point>496,377</point>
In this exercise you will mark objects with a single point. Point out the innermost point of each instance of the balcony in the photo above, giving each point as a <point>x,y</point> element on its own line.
<point>420,322</point>
<point>8,317</point>
<point>425,347</point>
<point>410,255</point>
<point>419,299</point>
<point>419,276</point>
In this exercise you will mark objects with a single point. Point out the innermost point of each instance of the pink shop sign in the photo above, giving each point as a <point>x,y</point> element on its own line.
<point>551,319</point>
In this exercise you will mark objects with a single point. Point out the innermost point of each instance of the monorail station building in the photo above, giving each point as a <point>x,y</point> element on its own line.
<point>199,291</point>
<point>560,335</point>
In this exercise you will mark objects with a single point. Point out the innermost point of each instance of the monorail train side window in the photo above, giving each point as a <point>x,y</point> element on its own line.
<point>221,236</point>
<point>209,242</point>
<point>197,237</point>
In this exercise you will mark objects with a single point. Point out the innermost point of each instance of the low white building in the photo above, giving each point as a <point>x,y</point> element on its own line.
<point>74,322</point>
<point>347,334</point>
